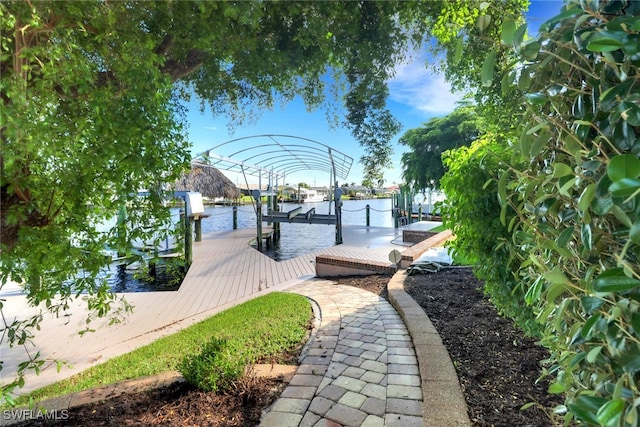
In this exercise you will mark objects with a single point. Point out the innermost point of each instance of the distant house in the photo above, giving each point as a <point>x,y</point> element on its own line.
<point>323,191</point>
<point>357,191</point>
<point>395,188</point>
<point>246,189</point>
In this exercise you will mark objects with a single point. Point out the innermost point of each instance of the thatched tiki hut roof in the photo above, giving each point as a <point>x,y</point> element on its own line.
<point>208,181</point>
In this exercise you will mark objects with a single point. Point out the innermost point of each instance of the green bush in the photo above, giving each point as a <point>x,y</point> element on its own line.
<point>472,212</point>
<point>577,204</point>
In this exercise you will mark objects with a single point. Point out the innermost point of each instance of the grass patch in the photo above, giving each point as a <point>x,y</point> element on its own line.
<point>261,328</point>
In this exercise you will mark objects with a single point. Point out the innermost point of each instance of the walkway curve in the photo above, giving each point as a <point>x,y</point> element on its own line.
<point>361,369</point>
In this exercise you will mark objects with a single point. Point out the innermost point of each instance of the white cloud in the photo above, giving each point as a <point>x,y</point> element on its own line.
<point>420,89</point>
<point>213,128</point>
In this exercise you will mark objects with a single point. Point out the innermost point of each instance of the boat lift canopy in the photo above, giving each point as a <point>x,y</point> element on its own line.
<point>274,157</point>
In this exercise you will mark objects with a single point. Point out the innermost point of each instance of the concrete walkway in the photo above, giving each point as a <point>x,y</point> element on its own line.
<point>360,369</point>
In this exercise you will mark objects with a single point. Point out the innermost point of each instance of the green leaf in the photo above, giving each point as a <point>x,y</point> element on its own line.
<point>606,41</point>
<point>585,233</point>
<point>531,50</point>
<point>486,74</point>
<point>585,407</point>
<point>634,232</point>
<point>621,216</point>
<point>630,112</point>
<point>586,197</point>
<point>610,98</point>
<point>632,416</point>
<point>602,205</point>
<point>508,31</point>
<point>611,412</point>
<point>591,304</point>
<point>507,81</point>
<point>623,166</point>
<point>564,237</point>
<point>593,354</point>
<point>630,361</point>
<point>635,323</point>
<point>537,98</point>
<point>631,44</point>
<point>518,35</point>
<point>557,388</point>
<point>502,188</point>
<point>614,280</point>
<point>570,13</point>
<point>483,22</point>
<point>556,276</point>
<point>624,187</point>
<point>560,170</point>
<point>534,291</point>
<point>555,291</point>
<point>585,332</point>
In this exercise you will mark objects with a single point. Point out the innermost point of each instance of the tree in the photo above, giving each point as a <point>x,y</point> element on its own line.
<point>91,113</point>
<point>468,32</point>
<point>91,110</point>
<point>422,165</point>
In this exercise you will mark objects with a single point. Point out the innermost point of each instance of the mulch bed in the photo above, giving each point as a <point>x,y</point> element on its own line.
<point>497,368</point>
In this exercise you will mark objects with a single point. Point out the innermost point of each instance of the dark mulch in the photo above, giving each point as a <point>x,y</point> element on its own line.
<point>497,367</point>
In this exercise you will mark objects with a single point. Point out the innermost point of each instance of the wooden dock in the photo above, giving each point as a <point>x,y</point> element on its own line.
<point>225,271</point>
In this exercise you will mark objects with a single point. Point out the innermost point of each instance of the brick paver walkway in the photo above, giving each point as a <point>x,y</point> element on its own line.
<point>360,368</point>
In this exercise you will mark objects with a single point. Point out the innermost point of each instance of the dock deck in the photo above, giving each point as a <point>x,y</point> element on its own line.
<point>225,271</point>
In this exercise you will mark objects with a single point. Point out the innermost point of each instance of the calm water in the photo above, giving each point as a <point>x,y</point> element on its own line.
<point>353,213</point>
<point>295,239</point>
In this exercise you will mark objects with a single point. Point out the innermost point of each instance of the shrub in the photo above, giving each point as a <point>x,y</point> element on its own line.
<point>577,204</point>
<point>473,214</point>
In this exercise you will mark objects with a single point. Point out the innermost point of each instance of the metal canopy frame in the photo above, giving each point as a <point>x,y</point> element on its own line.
<point>275,156</point>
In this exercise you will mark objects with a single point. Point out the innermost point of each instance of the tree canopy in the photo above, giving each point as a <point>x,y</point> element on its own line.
<point>92,111</point>
<point>422,165</point>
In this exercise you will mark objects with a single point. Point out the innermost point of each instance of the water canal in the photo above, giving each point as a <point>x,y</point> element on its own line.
<point>295,239</point>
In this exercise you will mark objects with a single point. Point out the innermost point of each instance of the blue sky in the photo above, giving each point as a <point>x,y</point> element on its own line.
<point>415,96</point>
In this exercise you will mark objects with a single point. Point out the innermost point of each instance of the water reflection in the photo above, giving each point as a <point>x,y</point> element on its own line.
<point>353,213</point>
<point>298,239</point>
<point>295,239</point>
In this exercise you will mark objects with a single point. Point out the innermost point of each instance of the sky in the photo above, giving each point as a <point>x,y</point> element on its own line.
<point>416,96</point>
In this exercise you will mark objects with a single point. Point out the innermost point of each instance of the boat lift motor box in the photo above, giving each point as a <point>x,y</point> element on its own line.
<point>195,206</point>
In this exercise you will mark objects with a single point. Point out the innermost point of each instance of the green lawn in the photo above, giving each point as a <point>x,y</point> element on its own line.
<point>259,328</point>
